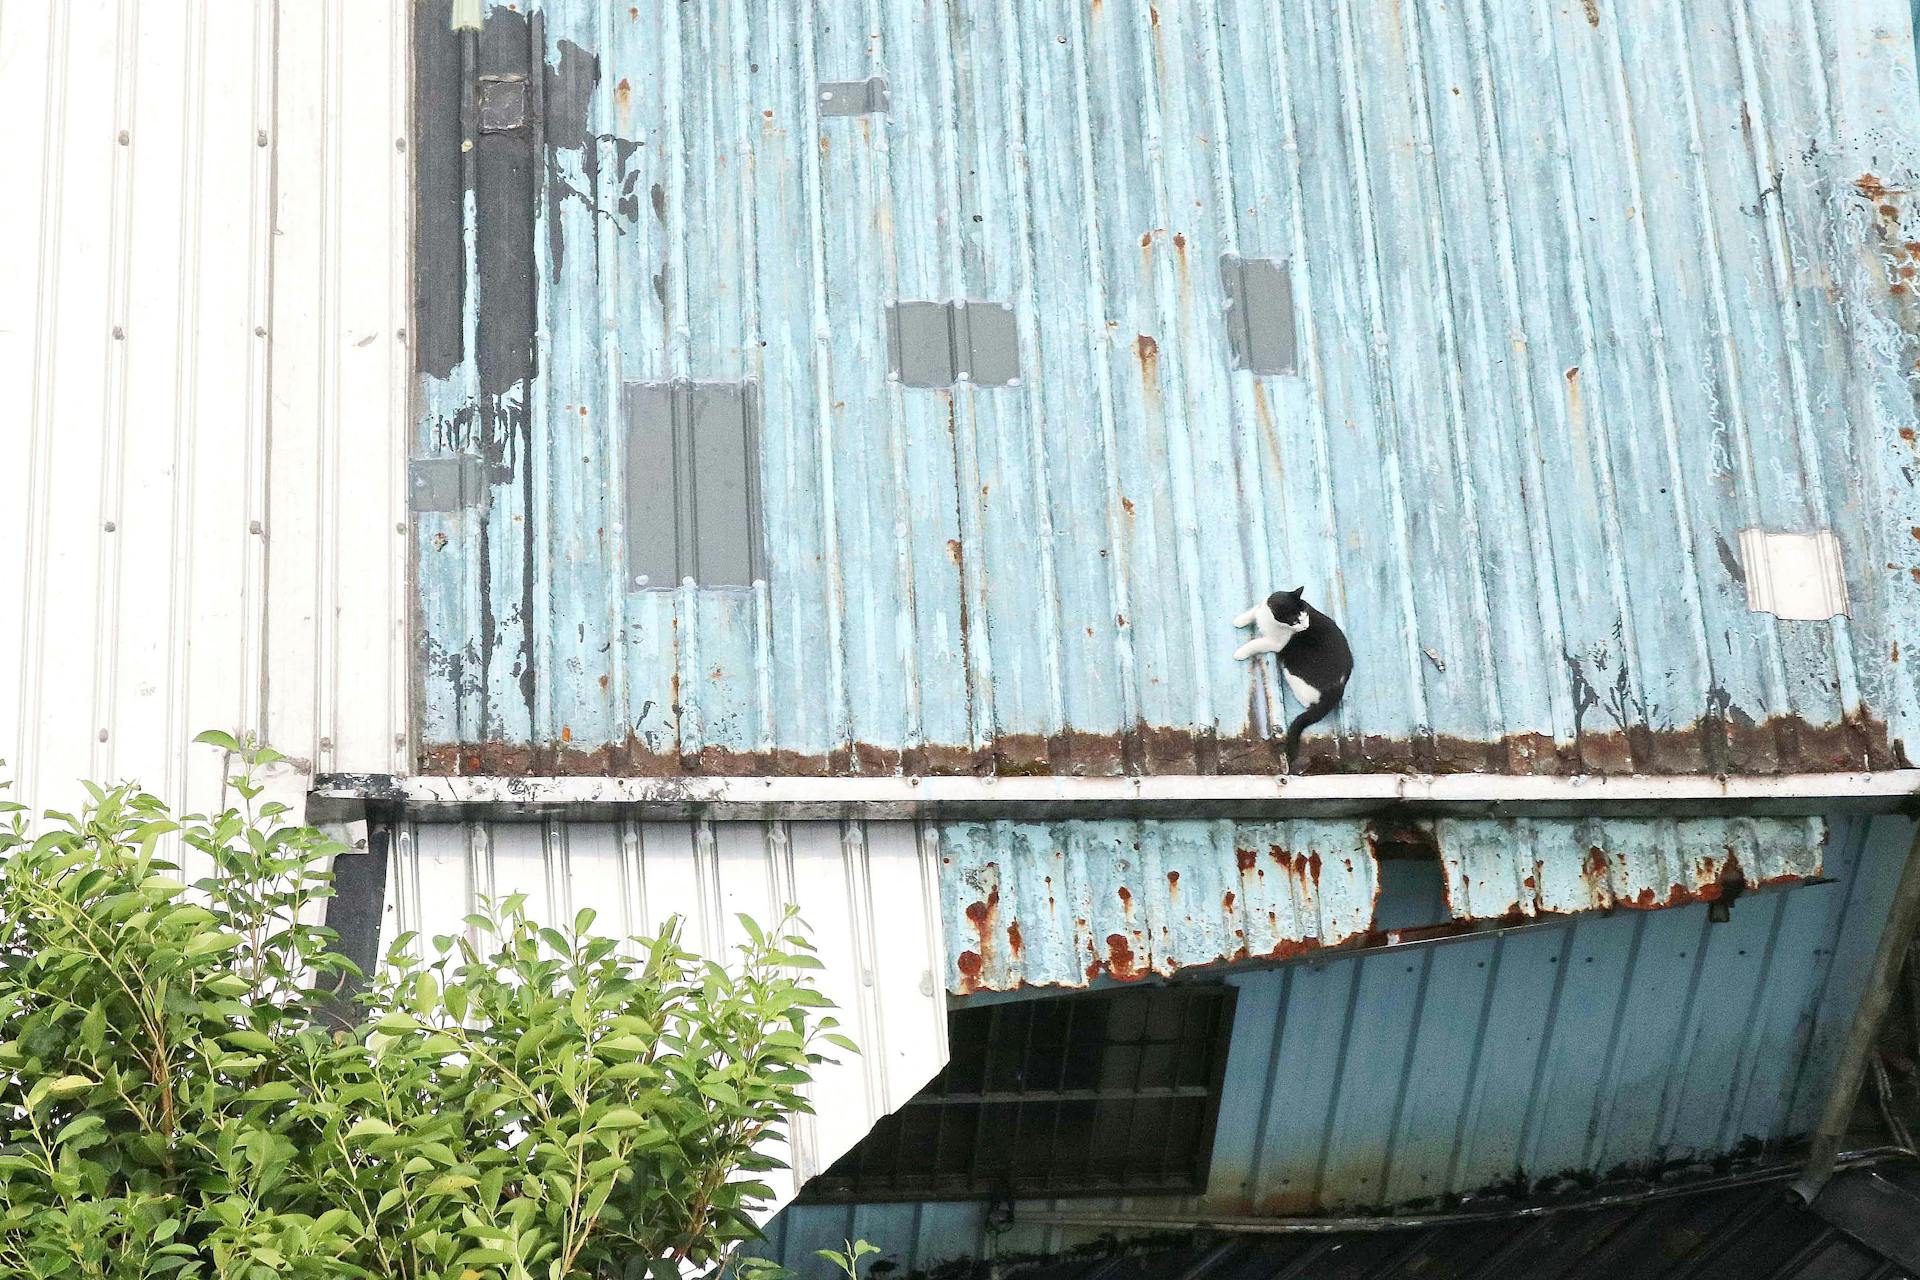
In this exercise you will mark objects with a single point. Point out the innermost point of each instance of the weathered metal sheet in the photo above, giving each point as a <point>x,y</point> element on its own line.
<point>866,893</point>
<point>1520,868</point>
<point>1045,904</point>
<point>1543,1059</point>
<point>204,386</point>
<point>1582,291</point>
<point>1039,904</point>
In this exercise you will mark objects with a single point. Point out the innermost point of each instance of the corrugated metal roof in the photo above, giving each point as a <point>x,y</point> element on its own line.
<point>1583,292</point>
<point>1713,1233</point>
<point>202,367</point>
<point>1059,904</point>
<point>1534,1061</point>
<point>866,891</point>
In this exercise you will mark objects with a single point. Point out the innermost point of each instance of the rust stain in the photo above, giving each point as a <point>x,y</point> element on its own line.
<point>953,550</point>
<point>1128,504</point>
<point>1120,959</point>
<point>623,97</point>
<point>1126,900</point>
<point>1013,938</point>
<point>1735,745</point>
<point>1147,351</point>
<point>1227,901</point>
<point>1594,872</point>
<point>566,733</point>
<point>1244,859</point>
<point>971,967</point>
<point>1173,886</point>
<point>1592,8</point>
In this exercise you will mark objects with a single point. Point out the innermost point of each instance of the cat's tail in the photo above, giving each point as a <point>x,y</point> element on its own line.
<point>1312,715</point>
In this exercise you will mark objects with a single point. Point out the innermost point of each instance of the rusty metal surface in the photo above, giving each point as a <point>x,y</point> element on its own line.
<point>1062,904</point>
<point>1582,293</point>
<point>1509,1067</point>
<point>1519,868</point>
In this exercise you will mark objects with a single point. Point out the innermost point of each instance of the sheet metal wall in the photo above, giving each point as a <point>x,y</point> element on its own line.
<point>1389,1078</point>
<point>202,390</point>
<point>867,892</point>
<point>1584,290</point>
<point>1060,904</point>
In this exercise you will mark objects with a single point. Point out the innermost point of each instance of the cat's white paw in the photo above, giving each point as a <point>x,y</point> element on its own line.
<point>1246,619</point>
<point>1248,649</point>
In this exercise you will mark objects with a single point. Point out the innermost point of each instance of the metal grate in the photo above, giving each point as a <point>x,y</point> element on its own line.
<point>1097,1094</point>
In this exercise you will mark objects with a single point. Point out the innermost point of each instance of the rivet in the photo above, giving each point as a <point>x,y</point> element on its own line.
<point>466,144</point>
<point>125,137</point>
<point>253,526</point>
<point>400,528</point>
<point>119,332</point>
<point>109,526</point>
<point>399,144</point>
<point>260,138</point>
<point>103,735</point>
<point>259,331</point>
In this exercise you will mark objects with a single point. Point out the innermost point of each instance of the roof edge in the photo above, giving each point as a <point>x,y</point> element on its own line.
<point>349,797</point>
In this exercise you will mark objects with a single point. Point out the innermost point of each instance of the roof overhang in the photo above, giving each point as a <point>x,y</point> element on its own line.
<point>349,797</point>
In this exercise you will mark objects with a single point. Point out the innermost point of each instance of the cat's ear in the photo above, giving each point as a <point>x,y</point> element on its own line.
<point>1297,592</point>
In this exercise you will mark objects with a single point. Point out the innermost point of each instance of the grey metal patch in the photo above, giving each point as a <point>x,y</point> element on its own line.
<point>937,344</point>
<point>503,103</point>
<point>855,97</point>
<point>693,484</point>
<point>1260,313</point>
<point>453,482</point>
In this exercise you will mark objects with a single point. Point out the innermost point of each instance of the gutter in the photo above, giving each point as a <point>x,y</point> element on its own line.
<point>348,797</point>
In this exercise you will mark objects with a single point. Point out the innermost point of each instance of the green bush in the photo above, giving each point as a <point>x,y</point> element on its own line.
<point>180,1096</point>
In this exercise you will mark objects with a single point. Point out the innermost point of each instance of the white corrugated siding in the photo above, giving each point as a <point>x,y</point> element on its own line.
<point>868,893</point>
<point>203,386</point>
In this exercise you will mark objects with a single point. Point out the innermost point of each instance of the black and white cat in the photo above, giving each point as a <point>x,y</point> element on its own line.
<point>1313,653</point>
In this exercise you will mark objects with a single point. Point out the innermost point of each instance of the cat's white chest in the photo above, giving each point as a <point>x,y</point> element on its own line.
<point>1271,629</point>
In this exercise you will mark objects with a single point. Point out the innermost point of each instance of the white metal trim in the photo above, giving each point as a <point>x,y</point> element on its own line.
<point>1335,795</point>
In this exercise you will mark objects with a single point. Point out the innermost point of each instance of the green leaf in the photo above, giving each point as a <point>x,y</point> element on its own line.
<point>207,943</point>
<point>276,1091</point>
<point>215,738</point>
<point>370,1128</point>
<point>79,1125</point>
<point>67,1086</point>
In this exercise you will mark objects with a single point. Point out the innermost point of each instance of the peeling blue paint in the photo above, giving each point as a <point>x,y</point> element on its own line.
<point>1577,302</point>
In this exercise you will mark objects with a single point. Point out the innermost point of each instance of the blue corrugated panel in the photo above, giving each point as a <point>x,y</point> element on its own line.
<point>1583,291</point>
<point>1583,1047</point>
<point>1060,904</point>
